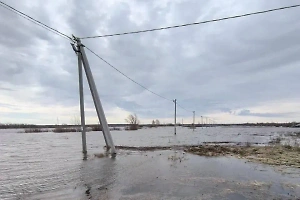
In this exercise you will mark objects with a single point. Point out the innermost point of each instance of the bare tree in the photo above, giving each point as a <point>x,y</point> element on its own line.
<point>153,123</point>
<point>75,120</point>
<point>157,122</point>
<point>133,122</point>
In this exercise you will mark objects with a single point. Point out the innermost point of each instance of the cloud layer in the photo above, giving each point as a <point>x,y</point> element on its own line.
<point>240,70</point>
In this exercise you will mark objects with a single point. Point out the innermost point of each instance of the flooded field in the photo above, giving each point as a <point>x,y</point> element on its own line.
<point>51,166</point>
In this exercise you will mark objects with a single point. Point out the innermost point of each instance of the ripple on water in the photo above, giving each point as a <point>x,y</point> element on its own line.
<point>48,165</point>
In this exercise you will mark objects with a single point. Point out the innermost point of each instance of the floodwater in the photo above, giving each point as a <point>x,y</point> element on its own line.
<point>51,166</point>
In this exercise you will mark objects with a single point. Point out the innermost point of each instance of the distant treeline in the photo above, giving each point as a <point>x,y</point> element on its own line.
<point>289,124</point>
<point>32,126</point>
<point>96,126</point>
<point>93,126</point>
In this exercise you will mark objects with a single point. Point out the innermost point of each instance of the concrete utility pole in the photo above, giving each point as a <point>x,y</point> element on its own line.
<point>175,117</point>
<point>100,112</point>
<point>194,120</point>
<point>81,98</point>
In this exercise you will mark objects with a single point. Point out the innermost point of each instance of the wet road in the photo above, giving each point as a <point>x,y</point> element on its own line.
<point>50,166</point>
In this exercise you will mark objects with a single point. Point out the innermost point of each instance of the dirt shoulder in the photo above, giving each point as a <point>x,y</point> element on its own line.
<point>272,155</point>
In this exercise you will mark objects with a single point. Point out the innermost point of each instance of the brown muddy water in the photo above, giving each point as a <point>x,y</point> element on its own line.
<point>51,166</point>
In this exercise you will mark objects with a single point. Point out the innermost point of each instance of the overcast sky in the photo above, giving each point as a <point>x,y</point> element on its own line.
<point>239,70</point>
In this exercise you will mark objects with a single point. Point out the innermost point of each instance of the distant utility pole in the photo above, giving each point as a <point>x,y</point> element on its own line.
<point>194,120</point>
<point>202,121</point>
<point>175,116</point>
<point>182,122</point>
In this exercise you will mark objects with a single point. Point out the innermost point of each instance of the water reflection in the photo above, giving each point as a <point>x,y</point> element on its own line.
<point>51,166</point>
<point>97,175</point>
<point>84,156</point>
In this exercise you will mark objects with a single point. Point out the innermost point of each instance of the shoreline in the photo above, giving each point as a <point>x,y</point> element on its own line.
<point>276,155</point>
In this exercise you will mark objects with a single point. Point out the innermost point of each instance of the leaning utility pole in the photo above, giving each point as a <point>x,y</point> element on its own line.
<point>99,109</point>
<point>175,117</point>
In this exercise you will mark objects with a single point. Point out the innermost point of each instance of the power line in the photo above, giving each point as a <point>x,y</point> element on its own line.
<point>126,75</point>
<point>132,79</point>
<point>34,22</point>
<point>31,19</point>
<point>25,16</point>
<point>191,24</point>
<point>183,108</point>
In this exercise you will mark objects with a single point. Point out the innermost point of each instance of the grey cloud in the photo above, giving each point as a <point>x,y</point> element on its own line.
<point>249,113</point>
<point>6,89</point>
<point>220,66</point>
<point>5,105</point>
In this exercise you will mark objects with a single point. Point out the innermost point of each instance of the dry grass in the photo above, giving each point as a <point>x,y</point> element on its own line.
<point>285,155</point>
<point>274,155</point>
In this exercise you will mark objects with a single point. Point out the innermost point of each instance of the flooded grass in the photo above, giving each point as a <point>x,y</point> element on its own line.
<point>35,130</point>
<point>97,128</point>
<point>294,134</point>
<point>276,140</point>
<point>153,148</point>
<point>65,130</point>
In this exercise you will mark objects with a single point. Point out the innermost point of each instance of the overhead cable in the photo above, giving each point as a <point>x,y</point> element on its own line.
<point>31,19</point>
<point>126,75</point>
<point>183,108</point>
<point>191,24</point>
<point>25,16</point>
